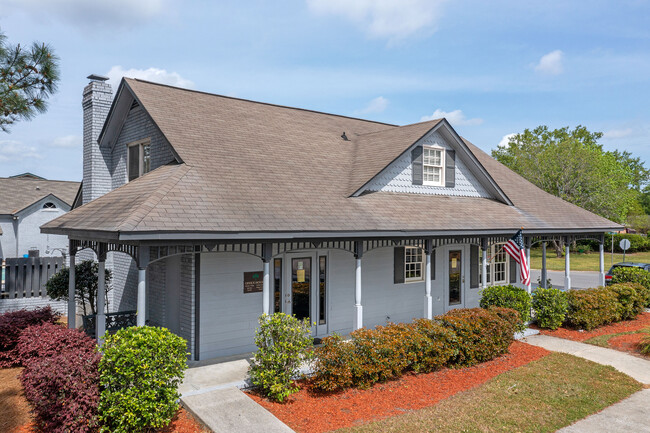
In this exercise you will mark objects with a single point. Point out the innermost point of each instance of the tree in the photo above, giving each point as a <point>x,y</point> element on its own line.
<point>86,278</point>
<point>27,79</point>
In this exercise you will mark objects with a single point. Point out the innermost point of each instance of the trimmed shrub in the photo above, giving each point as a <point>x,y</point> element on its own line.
<point>438,347</point>
<point>282,342</point>
<point>49,340</point>
<point>335,364</point>
<point>139,374</point>
<point>63,386</point>
<point>590,308</point>
<point>551,306</point>
<point>625,274</point>
<point>481,334</point>
<point>508,297</point>
<point>13,323</point>
<point>629,302</point>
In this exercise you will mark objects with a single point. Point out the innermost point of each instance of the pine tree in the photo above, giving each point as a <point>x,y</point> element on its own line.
<point>28,77</point>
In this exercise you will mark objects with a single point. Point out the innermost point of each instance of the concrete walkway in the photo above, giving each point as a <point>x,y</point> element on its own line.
<point>629,415</point>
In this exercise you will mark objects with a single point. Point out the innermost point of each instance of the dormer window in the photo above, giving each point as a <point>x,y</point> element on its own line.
<point>138,159</point>
<point>433,163</point>
<point>49,205</point>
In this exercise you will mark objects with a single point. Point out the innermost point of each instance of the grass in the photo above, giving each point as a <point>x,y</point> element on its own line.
<point>582,262</point>
<point>602,340</point>
<point>542,396</point>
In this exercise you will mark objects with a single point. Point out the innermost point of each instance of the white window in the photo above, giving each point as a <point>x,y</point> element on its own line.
<point>433,163</point>
<point>413,264</point>
<point>498,266</point>
<point>138,159</point>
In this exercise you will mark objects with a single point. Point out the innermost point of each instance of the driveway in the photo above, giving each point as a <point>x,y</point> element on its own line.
<point>579,279</point>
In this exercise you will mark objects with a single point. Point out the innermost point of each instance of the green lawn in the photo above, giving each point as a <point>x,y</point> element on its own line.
<point>542,396</point>
<point>582,262</point>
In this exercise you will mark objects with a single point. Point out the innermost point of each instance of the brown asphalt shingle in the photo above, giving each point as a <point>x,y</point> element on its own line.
<point>16,193</point>
<point>254,167</point>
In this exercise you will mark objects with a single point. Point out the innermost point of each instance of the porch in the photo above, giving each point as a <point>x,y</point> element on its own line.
<point>212,292</point>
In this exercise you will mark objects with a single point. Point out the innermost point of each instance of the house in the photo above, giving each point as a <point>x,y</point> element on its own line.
<point>212,210</point>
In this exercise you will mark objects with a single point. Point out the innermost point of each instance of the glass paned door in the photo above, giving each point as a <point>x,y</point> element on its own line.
<point>455,277</point>
<point>301,287</point>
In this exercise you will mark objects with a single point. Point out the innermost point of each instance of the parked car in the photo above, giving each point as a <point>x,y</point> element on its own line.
<point>609,274</point>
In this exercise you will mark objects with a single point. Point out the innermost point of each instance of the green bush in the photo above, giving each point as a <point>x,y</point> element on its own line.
<point>508,297</point>
<point>283,344</point>
<point>590,308</point>
<point>629,301</point>
<point>625,274</point>
<point>460,337</point>
<point>645,345</point>
<point>550,306</point>
<point>638,243</point>
<point>139,375</point>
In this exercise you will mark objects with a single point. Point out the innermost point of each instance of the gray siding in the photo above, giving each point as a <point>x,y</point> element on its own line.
<point>397,177</point>
<point>31,304</point>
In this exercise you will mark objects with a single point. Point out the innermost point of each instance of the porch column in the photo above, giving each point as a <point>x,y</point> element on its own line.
<point>100,319</point>
<point>266,279</point>
<point>567,264</point>
<point>601,249</point>
<point>544,273</point>
<point>72,305</point>
<point>358,309</point>
<point>428,300</point>
<point>143,262</point>
<point>528,242</point>
<point>484,248</point>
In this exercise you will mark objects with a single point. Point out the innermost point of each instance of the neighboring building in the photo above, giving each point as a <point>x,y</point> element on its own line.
<point>211,210</point>
<point>27,202</point>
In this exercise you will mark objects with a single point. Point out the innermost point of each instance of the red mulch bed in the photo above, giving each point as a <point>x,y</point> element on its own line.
<point>628,343</point>
<point>310,412</point>
<point>642,321</point>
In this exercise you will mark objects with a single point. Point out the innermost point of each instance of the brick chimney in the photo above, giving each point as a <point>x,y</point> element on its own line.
<point>97,99</point>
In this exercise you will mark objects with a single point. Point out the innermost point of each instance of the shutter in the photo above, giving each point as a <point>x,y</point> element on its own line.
<point>450,169</point>
<point>433,264</point>
<point>398,267</point>
<point>513,271</point>
<point>473,264</point>
<point>416,165</point>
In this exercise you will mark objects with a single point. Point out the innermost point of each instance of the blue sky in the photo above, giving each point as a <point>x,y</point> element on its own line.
<point>492,68</point>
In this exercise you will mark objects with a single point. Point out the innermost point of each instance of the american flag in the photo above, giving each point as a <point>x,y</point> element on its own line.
<point>515,249</point>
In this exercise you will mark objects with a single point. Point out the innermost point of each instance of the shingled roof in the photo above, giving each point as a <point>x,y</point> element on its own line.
<point>248,168</point>
<point>17,193</point>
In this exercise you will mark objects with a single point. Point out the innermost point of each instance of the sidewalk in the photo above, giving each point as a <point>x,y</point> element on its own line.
<point>629,415</point>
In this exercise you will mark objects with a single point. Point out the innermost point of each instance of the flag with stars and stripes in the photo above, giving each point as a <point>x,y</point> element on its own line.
<point>515,249</point>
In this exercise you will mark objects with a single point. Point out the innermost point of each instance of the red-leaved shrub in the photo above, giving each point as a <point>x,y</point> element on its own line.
<point>64,390</point>
<point>11,326</point>
<point>48,340</point>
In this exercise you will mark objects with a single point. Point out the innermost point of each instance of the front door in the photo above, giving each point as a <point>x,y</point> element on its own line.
<point>301,277</point>
<point>455,280</point>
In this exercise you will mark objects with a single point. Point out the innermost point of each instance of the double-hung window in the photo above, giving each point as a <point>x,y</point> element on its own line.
<point>433,163</point>
<point>413,269</point>
<point>138,158</point>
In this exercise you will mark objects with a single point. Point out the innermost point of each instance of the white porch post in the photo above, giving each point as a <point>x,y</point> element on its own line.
<point>544,274</point>
<point>143,262</point>
<point>72,305</point>
<point>358,309</point>
<point>428,300</point>
<point>601,249</point>
<point>266,279</point>
<point>484,248</point>
<point>100,319</point>
<point>567,264</point>
<point>528,242</point>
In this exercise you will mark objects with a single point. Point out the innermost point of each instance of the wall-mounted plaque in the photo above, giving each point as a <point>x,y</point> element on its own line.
<point>253,282</point>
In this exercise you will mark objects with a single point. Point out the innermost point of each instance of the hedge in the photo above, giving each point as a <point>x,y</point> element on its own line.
<point>590,308</point>
<point>508,296</point>
<point>628,274</point>
<point>458,338</point>
<point>49,340</point>
<point>550,306</point>
<point>11,326</point>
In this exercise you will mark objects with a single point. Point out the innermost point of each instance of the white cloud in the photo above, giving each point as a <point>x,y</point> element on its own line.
<point>551,63</point>
<point>376,105</point>
<point>152,74</point>
<point>90,13</point>
<point>13,150</point>
<point>67,141</point>
<point>456,118</point>
<point>618,133</point>
<point>392,19</point>
<point>505,141</point>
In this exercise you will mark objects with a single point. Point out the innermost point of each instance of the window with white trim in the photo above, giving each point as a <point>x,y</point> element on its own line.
<point>433,163</point>
<point>138,159</point>
<point>413,264</point>
<point>498,265</point>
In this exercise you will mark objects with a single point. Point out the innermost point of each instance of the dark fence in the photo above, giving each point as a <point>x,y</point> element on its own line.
<point>114,321</point>
<point>26,277</point>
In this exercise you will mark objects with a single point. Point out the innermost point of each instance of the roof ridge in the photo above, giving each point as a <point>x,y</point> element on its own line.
<point>261,103</point>
<point>433,121</point>
<point>157,196</point>
<point>21,179</point>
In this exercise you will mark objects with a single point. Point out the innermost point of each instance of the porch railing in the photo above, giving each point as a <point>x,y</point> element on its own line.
<point>114,321</point>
